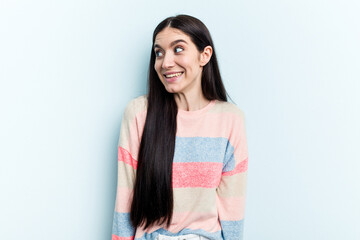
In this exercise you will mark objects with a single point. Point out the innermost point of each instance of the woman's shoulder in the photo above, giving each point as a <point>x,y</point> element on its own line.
<point>232,115</point>
<point>138,102</point>
<point>136,106</point>
<point>226,108</point>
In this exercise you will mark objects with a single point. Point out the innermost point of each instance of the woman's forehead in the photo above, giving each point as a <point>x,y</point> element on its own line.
<point>169,35</point>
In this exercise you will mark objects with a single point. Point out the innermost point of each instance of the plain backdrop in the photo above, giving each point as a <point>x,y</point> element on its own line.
<point>68,68</point>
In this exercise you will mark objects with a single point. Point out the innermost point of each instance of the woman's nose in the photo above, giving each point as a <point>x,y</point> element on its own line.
<point>168,61</point>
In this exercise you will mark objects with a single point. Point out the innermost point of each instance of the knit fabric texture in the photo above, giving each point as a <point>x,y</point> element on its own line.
<point>209,172</point>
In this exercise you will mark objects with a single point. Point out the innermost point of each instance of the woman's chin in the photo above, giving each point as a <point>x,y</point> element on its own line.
<point>172,89</point>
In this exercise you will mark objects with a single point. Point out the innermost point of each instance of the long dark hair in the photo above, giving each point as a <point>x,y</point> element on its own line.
<point>153,194</point>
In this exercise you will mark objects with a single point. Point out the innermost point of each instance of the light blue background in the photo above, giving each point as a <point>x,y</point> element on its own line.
<point>68,69</point>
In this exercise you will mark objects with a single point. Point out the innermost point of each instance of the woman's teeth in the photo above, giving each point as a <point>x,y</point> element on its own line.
<point>173,75</point>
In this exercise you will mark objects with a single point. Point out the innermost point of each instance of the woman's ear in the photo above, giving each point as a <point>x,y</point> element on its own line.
<point>205,55</point>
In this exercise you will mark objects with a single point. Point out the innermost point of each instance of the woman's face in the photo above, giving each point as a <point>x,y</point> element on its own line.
<point>178,63</point>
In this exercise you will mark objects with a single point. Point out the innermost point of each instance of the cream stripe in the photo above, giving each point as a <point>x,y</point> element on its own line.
<point>234,185</point>
<point>126,175</point>
<point>194,199</point>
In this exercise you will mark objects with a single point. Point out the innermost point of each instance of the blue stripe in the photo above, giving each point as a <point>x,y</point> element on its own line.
<point>232,230</point>
<point>205,149</point>
<point>229,160</point>
<point>122,226</point>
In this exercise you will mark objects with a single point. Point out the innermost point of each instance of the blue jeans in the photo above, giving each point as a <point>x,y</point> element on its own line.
<point>181,237</point>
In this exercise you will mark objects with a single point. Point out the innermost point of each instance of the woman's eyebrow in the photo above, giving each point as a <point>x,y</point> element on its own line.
<point>172,43</point>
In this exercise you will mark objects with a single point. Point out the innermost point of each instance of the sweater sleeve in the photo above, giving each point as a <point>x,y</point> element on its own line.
<point>128,146</point>
<point>232,187</point>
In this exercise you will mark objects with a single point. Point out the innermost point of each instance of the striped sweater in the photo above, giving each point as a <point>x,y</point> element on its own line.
<point>209,172</point>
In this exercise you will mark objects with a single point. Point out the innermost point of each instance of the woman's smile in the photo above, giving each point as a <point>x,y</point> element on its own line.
<point>172,76</point>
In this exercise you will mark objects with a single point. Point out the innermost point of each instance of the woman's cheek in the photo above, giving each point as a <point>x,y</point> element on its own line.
<point>157,67</point>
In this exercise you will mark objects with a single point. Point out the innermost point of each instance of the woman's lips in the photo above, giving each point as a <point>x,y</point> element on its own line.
<point>172,77</point>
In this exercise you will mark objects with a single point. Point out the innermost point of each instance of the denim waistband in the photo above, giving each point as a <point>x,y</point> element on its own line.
<point>181,237</point>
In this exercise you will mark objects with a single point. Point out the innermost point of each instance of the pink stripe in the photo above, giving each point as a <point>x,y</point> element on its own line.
<point>241,167</point>
<point>123,200</point>
<point>207,129</point>
<point>125,156</point>
<point>231,208</point>
<point>114,237</point>
<point>196,174</point>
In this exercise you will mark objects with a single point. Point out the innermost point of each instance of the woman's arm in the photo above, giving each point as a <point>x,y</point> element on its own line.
<point>128,147</point>
<point>232,188</point>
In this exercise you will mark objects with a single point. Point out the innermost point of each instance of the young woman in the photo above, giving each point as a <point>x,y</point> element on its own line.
<point>182,152</point>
